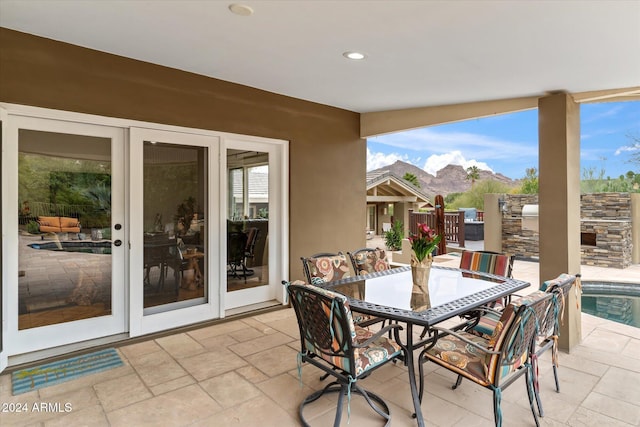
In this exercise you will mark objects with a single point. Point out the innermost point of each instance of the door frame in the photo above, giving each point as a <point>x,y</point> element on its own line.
<point>278,151</point>
<point>142,323</point>
<point>59,334</point>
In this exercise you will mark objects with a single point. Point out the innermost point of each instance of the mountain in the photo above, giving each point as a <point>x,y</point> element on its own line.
<point>450,179</point>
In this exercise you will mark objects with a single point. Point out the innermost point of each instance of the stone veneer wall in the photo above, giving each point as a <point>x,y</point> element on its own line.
<point>607,215</point>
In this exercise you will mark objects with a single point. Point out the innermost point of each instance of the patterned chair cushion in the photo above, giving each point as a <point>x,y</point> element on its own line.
<point>487,323</point>
<point>462,357</point>
<point>486,263</point>
<point>562,278</point>
<point>329,268</point>
<point>472,362</point>
<point>377,352</point>
<point>370,261</point>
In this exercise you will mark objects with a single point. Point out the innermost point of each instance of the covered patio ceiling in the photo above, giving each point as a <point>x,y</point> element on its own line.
<point>494,56</point>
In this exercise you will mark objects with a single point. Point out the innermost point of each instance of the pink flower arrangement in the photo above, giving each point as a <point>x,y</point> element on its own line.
<point>424,243</point>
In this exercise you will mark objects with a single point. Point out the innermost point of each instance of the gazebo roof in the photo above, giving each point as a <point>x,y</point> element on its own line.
<point>384,186</point>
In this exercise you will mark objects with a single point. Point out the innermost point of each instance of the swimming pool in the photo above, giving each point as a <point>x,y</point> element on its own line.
<point>103,247</point>
<point>616,301</point>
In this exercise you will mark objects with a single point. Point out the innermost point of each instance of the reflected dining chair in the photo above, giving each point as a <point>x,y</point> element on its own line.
<point>236,246</point>
<point>493,362</point>
<point>367,260</point>
<point>253,233</point>
<point>330,341</point>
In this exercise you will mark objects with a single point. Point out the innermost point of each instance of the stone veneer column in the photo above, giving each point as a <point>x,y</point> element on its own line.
<point>559,200</point>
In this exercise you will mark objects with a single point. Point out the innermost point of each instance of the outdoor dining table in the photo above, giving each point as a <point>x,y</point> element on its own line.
<point>391,295</point>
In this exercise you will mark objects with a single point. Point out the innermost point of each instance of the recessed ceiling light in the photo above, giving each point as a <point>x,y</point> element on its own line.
<point>241,9</point>
<point>354,55</point>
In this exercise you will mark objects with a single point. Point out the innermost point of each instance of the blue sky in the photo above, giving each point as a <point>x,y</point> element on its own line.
<point>508,143</point>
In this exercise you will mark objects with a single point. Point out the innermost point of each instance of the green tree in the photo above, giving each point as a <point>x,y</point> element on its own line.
<point>530,184</point>
<point>634,149</point>
<point>474,198</point>
<point>412,179</point>
<point>473,174</point>
<point>451,197</point>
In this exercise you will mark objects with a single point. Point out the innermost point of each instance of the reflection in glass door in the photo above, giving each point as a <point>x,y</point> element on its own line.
<point>70,255</point>
<point>65,222</point>
<point>175,226</point>
<point>247,219</point>
<point>171,253</point>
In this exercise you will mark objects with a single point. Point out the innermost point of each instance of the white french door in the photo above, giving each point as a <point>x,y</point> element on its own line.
<point>172,255</point>
<point>64,230</point>
<point>114,228</point>
<point>254,179</point>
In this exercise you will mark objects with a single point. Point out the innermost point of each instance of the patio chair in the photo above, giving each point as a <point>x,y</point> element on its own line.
<point>330,341</point>
<point>367,260</point>
<point>325,267</point>
<point>496,362</point>
<point>549,325</point>
<point>489,262</point>
<point>550,328</point>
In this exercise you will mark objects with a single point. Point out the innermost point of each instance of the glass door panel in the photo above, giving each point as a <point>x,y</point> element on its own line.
<point>70,258</point>
<point>175,226</point>
<point>172,258</point>
<point>247,220</point>
<point>64,260</point>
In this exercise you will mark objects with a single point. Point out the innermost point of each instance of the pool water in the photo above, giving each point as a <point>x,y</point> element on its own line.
<point>103,247</point>
<point>616,301</point>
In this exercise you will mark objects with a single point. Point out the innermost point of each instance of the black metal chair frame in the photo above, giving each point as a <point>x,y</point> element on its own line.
<point>315,328</point>
<point>520,338</point>
<point>236,255</point>
<point>549,332</point>
<point>160,251</point>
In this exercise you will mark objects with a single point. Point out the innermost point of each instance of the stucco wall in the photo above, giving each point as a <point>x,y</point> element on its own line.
<point>327,155</point>
<point>608,216</point>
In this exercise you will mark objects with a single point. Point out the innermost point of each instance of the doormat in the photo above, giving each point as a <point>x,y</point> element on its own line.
<point>61,371</point>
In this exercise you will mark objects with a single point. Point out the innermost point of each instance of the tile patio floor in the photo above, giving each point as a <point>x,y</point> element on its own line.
<point>242,372</point>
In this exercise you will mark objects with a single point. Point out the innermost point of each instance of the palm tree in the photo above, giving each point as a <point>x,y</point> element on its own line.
<point>412,179</point>
<point>473,174</point>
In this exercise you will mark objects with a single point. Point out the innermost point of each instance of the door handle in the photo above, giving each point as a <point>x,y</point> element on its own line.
<point>117,242</point>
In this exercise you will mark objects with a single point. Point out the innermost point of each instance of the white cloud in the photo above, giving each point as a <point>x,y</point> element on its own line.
<point>378,160</point>
<point>603,114</point>
<point>630,148</point>
<point>436,162</point>
<point>475,145</point>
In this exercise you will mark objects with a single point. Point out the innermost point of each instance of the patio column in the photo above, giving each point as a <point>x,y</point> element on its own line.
<point>559,200</point>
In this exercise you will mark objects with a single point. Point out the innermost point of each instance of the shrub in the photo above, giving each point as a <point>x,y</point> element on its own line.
<point>32,227</point>
<point>393,238</point>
